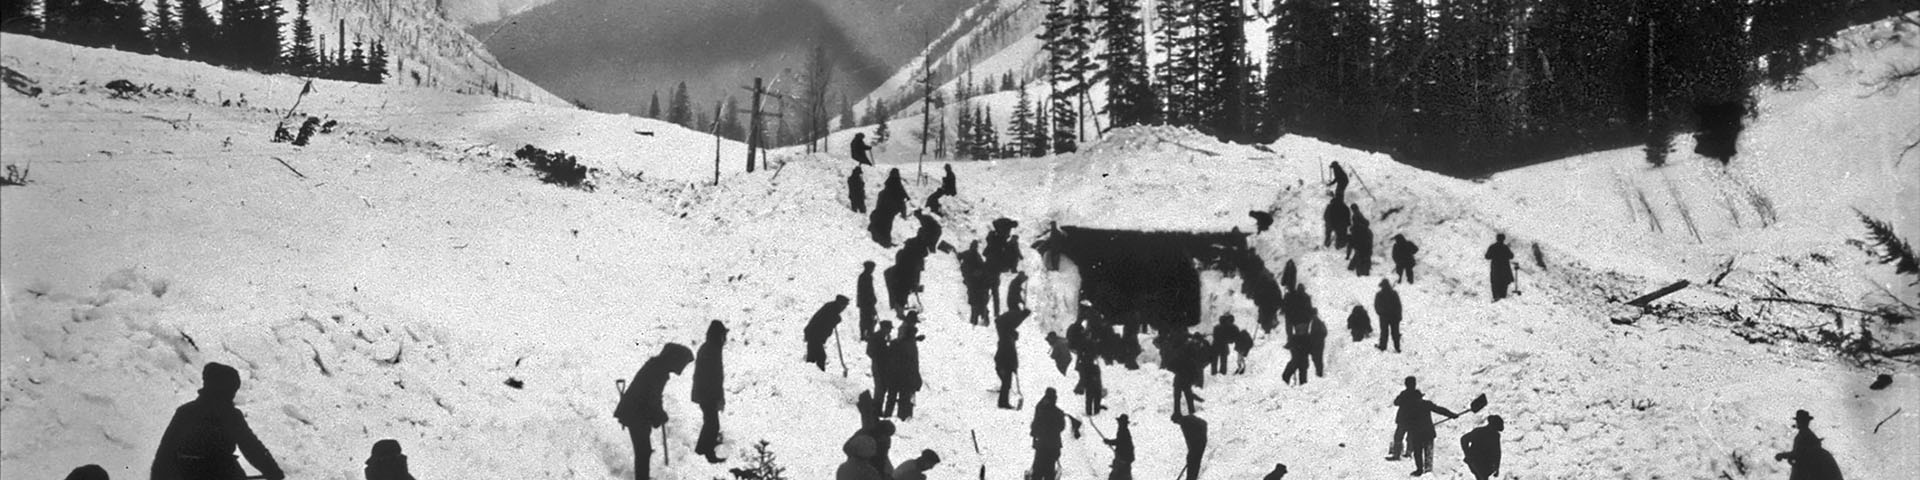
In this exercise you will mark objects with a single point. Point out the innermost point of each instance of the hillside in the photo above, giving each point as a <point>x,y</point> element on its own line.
<point>428,49</point>
<point>397,278</point>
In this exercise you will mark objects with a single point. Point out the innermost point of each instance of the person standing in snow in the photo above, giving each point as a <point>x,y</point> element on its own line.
<point>1337,220</point>
<point>1499,266</point>
<point>893,195</point>
<point>1048,422</point>
<point>1091,385</point>
<point>200,439</point>
<point>820,328</point>
<point>866,300</point>
<point>1418,418</point>
<point>1386,304</point>
<point>1122,444</point>
<point>1482,448</point>
<point>1810,460</point>
<point>948,184</point>
<point>1289,275</point>
<point>1296,304</point>
<point>1224,332</point>
<point>1002,255</point>
<point>857,191</point>
<point>869,407</point>
<point>1279,472</point>
<point>1194,430</point>
<point>909,261</point>
<point>387,462</point>
<point>1403,251</point>
<point>640,409</point>
<point>1006,358</point>
<point>1062,355</point>
<point>1017,289</point>
<point>1339,181</point>
<point>975,276</point>
<point>1316,343</point>
<point>860,149</point>
<point>916,469</point>
<point>1403,417</point>
<point>882,434</point>
<point>1360,243</point>
<point>1187,365</point>
<point>859,464</point>
<point>709,392</point>
<point>1261,220</point>
<point>878,358</point>
<point>904,380</point>
<point>1243,344</point>
<point>1305,344</point>
<point>1359,324</point>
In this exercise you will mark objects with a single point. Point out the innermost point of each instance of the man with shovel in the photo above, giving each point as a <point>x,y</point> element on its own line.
<point>640,409</point>
<point>1048,422</point>
<point>1122,444</point>
<point>1421,433</point>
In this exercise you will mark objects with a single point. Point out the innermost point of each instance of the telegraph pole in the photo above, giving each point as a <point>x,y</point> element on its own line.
<point>754,131</point>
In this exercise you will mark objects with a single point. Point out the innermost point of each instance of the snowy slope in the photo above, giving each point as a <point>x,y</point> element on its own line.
<point>394,286</point>
<point>427,48</point>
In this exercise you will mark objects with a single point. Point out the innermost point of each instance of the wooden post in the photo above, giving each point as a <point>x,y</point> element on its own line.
<point>1662,292</point>
<point>753,131</point>
<point>716,142</point>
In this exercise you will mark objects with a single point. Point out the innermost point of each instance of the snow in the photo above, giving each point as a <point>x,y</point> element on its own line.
<point>392,287</point>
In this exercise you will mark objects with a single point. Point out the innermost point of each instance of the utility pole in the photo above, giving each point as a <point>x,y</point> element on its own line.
<point>754,131</point>
<point>716,142</point>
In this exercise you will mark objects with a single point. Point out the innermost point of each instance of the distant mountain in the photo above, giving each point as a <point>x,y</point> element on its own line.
<point>613,54</point>
<point>428,49</point>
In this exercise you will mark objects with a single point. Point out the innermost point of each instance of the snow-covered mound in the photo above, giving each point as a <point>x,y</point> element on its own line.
<point>394,280</point>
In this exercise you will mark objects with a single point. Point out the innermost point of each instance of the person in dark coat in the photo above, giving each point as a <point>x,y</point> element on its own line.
<point>1482,448</point>
<point>1420,433</point>
<point>1048,422</point>
<point>1002,255</point>
<point>882,434</point>
<point>1499,266</point>
<point>199,441</point>
<point>908,263</point>
<point>1339,181</point>
<point>877,356</point>
<point>893,195</point>
<point>866,300</point>
<point>1194,430</point>
<point>857,191</point>
<point>1187,364</point>
<point>1298,301</point>
<point>1809,459</point>
<point>1289,275</point>
<point>904,380</point>
<point>1243,344</point>
<point>869,407</point>
<point>1337,219</point>
<point>88,472</point>
<point>859,464</point>
<point>387,462</point>
<point>1303,345</point>
<point>820,328</point>
<point>948,184</point>
<point>1359,324</point>
<point>1360,243</point>
<point>929,233</point>
<point>1017,291</point>
<point>1224,332</point>
<point>1122,445</point>
<point>1061,354</point>
<point>936,203</point>
<point>916,469</point>
<point>1279,472</point>
<point>860,149</point>
<point>1093,388</point>
<point>975,275</point>
<point>1404,417</point>
<point>880,226</point>
<point>1261,220</point>
<point>1386,304</point>
<point>1006,358</point>
<point>640,409</point>
<point>709,391</point>
<point>1403,260</point>
<point>1316,346</point>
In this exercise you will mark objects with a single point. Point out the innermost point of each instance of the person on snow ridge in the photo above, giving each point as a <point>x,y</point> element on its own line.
<point>1403,261</point>
<point>1122,444</point>
<point>1359,324</point>
<point>709,392</point>
<point>1295,306</point>
<point>869,407</point>
<point>882,435</point>
<point>1224,333</point>
<point>893,195</point>
<point>1337,220</point>
<point>1386,304</point>
<point>904,380</point>
<point>1194,430</point>
<point>1402,418</point>
<point>866,300</point>
<point>1261,220</point>
<point>1482,448</point>
<point>860,149</point>
<point>880,225</point>
<point>640,409</point>
<point>199,441</point>
<point>1243,343</point>
<point>1810,460</point>
<point>908,263</point>
<point>1289,275</point>
<point>1092,387</point>
<point>859,464</point>
<point>1180,356</point>
<point>948,184</point>
<point>916,469</point>
<point>1499,266</point>
<point>820,328</point>
<point>1360,243</point>
<point>857,191</point>
<point>1339,181</point>
<point>1048,422</point>
<point>929,233</point>
<point>386,462</point>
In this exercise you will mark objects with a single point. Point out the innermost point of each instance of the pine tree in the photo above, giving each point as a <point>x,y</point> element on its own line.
<point>1179,71</point>
<point>127,26</point>
<point>17,16</point>
<point>81,22</point>
<point>731,127</point>
<point>1021,127</point>
<point>355,67</point>
<point>1058,39</point>
<point>1129,96</point>
<point>680,110</point>
<point>986,142</point>
<point>164,32</point>
<point>846,113</point>
<point>197,31</point>
<point>963,133</point>
<point>653,106</point>
<point>301,59</point>
<point>1042,141</point>
<point>250,34</point>
<point>377,63</point>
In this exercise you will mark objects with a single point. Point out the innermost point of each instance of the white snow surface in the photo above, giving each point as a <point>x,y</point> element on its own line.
<point>392,286</point>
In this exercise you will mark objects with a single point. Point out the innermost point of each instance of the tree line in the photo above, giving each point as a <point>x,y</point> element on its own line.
<point>246,34</point>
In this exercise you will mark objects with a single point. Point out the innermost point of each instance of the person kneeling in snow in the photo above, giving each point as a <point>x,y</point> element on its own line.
<point>199,441</point>
<point>386,462</point>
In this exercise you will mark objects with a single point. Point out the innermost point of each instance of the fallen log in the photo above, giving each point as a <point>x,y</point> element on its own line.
<point>1817,304</point>
<point>1662,292</point>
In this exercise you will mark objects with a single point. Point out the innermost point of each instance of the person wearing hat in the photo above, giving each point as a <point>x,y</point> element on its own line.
<point>859,148</point>
<point>820,328</point>
<point>857,190</point>
<point>386,462</point>
<point>1420,432</point>
<point>878,358</point>
<point>199,441</point>
<point>866,300</point>
<point>1403,251</point>
<point>859,464</point>
<point>709,374</point>
<point>1404,416</point>
<point>1810,460</point>
<point>1224,332</point>
<point>1194,430</point>
<point>1386,305</point>
<point>903,370</point>
<point>1279,472</point>
<point>1048,422</point>
<point>1122,444</point>
<point>1482,448</point>
<point>640,409</point>
<point>916,469</point>
<point>949,184</point>
<point>1499,266</point>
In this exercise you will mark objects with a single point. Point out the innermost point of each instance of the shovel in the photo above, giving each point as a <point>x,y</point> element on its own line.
<point>1479,403</point>
<point>976,452</point>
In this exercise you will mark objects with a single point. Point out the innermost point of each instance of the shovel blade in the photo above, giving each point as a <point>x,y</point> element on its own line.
<point>1479,403</point>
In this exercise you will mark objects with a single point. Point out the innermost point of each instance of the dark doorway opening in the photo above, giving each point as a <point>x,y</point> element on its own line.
<point>1147,278</point>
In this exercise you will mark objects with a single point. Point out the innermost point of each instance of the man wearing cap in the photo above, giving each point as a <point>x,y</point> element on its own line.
<point>1482,448</point>
<point>1386,305</point>
<point>820,328</point>
<point>709,372</point>
<point>640,408</point>
<point>199,442</point>
<point>916,469</point>
<point>1122,444</point>
<point>1810,460</point>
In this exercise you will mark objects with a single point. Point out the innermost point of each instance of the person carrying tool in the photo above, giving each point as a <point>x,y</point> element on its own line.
<point>1194,430</point>
<point>640,409</point>
<point>1417,412</point>
<point>1810,460</point>
<point>1048,422</point>
<point>1122,444</point>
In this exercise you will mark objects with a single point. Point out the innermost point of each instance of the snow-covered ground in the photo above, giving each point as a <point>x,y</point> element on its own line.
<point>395,284</point>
